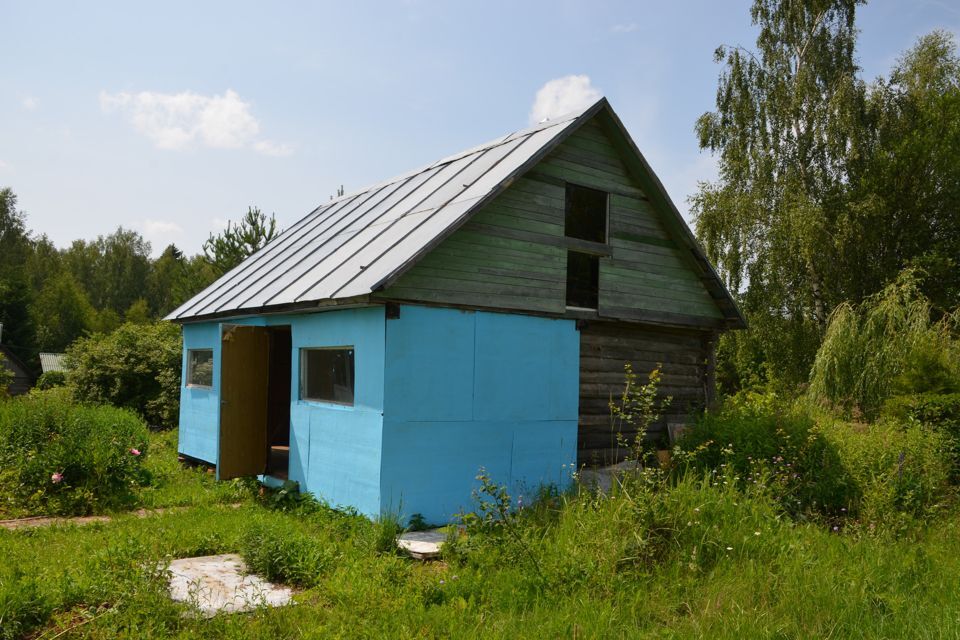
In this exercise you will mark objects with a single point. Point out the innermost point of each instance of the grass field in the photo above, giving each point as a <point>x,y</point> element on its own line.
<point>695,559</point>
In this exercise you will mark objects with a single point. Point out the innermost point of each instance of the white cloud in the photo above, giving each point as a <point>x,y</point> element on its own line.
<point>4,165</point>
<point>271,148</point>
<point>563,95</point>
<point>624,28</point>
<point>29,103</point>
<point>187,120</point>
<point>161,228</point>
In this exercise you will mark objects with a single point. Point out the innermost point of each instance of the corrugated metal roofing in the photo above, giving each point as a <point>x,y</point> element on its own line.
<point>52,362</point>
<point>350,246</point>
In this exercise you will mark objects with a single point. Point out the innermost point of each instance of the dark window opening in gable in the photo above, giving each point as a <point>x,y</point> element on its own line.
<point>585,213</point>
<point>326,375</point>
<point>583,280</point>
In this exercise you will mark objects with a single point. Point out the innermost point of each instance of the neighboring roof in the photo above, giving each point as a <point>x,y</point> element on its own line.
<point>357,244</point>
<point>7,354</point>
<point>53,362</point>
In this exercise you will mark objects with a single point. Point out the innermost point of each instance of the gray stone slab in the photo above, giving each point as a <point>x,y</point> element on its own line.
<point>422,545</point>
<point>220,584</point>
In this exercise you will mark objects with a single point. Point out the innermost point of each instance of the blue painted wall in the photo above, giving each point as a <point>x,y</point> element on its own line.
<point>334,450</point>
<point>439,393</point>
<point>465,390</point>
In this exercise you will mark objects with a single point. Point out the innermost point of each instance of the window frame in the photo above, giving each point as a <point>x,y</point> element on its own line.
<point>302,383</point>
<point>606,214</point>
<point>188,379</point>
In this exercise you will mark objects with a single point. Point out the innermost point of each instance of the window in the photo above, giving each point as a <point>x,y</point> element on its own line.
<point>583,279</point>
<point>585,215</point>
<point>200,367</point>
<point>326,374</point>
<point>585,218</point>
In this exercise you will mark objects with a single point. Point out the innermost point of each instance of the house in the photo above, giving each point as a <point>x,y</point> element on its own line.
<point>476,312</point>
<point>22,380</point>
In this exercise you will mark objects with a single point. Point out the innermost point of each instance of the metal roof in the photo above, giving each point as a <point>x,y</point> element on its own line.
<point>351,245</point>
<point>359,243</point>
<point>52,362</point>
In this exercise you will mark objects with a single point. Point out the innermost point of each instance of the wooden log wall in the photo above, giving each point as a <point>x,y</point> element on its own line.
<point>685,356</point>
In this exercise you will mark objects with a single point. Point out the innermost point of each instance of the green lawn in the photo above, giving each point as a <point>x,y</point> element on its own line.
<point>692,561</point>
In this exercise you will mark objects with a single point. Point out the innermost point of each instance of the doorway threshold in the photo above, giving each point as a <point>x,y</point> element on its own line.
<point>271,482</point>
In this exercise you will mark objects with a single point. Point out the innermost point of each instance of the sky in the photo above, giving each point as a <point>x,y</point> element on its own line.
<point>172,118</point>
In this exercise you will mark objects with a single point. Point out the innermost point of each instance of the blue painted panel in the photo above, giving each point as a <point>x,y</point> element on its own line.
<point>527,368</point>
<point>429,365</point>
<point>524,374</point>
<point>200,408</point>
<point>335,450</point>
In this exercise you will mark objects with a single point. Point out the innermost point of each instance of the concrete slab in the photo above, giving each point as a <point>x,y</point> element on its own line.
<point>219,584</point>
<point>422,545</point>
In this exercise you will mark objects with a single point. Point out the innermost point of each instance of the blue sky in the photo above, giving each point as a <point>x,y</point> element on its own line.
<point>171,118</point>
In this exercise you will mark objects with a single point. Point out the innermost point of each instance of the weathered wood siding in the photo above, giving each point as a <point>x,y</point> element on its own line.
<point>604,348</point>
<point>512,254</point>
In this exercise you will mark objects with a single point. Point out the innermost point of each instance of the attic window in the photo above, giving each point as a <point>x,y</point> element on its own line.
<point>326,375</point>
<point>585,219</point>
<point>585,213</point>
<point>200,367</point>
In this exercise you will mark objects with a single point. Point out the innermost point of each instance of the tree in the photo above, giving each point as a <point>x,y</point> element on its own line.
<point>61,313</point>
<point>15,291</point>
<point>229,248</point>
<point>828,187</point>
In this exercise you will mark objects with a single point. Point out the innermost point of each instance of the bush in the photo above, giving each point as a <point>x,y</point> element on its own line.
<point>939,411</point>
<point>282,551</point>
<point>758,438</point>
<point>61,458</point>
<point>51,379</point>
<point>136,367</point>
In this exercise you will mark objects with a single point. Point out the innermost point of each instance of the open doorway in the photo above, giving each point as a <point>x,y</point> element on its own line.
<point>254,401</point>
<point>278,402</point>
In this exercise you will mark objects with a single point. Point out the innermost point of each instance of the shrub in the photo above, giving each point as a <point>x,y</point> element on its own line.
<point>939,411</point>
<point>136,367</point>
<point>6,379</point>
<point>51,379</point>
<point>759,438</point>
<point>61,458</point>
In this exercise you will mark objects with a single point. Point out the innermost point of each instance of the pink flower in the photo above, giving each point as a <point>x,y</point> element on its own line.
<point>135,452</point>
<point>56,477</point>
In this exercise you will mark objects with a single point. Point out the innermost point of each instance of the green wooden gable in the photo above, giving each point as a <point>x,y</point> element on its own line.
<point>512,253</point>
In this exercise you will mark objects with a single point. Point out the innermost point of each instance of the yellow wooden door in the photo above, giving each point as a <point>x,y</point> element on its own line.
<point>244,369</point>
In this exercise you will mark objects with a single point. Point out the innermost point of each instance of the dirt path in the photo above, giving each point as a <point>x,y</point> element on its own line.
<point>47,521</point>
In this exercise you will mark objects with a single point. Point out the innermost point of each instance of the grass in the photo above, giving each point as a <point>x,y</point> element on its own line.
<point>697,559</point>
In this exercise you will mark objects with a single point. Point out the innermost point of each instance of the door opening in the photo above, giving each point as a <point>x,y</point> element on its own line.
<point>244,365</point>
<point>278,402</point>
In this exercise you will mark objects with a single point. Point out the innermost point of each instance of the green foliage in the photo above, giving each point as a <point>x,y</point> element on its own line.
<point>635,410</point>
<point>886,346</point>
<point>236,242</point>
<point>759,439</point>
<point>6,379</point>
<point>940,412</point>
<point>281,551</point>
<point>62,313</point>
<point>136,367</point>
<point>62,458</point>
<point>51,379</point>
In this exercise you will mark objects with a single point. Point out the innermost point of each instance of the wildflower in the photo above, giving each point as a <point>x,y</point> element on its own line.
<point>134,452</point>
<point>443,582</point>
<point>729,548</point>
<point>756,533</point>
<point>836,528</point>
<point>56,477</point>
<point>455,578</point>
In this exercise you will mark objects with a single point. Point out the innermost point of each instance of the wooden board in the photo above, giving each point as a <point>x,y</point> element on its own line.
<point>604,348</point>
<point>244,375</point>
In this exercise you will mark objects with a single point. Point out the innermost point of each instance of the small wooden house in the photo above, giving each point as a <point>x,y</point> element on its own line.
<point>22,380</point>
<point>476,312</point>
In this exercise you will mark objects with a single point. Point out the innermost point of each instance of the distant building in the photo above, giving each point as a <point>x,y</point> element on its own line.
<point>52,362</point>
<point>476,312</point>
<point>22,380</point>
